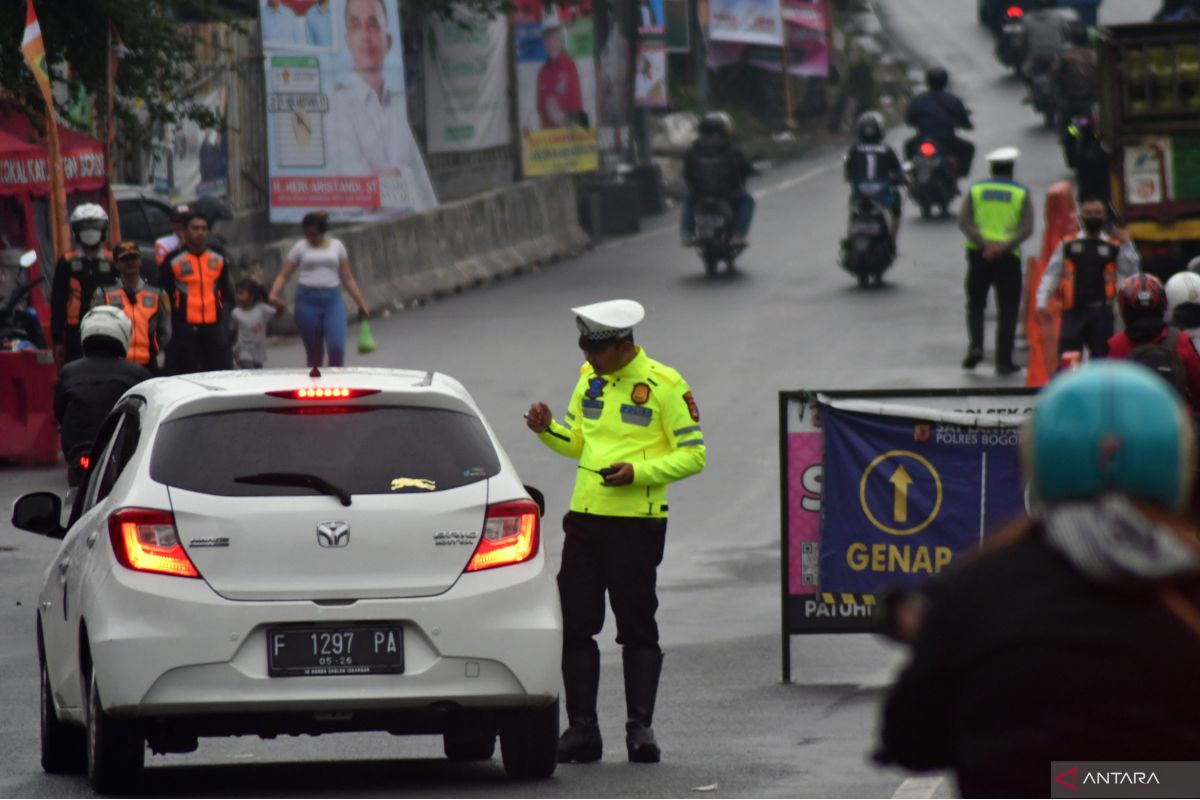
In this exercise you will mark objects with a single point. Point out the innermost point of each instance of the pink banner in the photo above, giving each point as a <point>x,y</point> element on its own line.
<point>807,24</point>
<point>804,511</point>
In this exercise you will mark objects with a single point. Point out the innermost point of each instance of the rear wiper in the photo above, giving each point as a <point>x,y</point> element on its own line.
<point>297,479</point>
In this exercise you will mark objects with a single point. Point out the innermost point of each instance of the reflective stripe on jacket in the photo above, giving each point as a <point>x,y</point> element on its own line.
<point>196,292</point>
<point>644,415</point>
<point>78,269</point>
<point>1089,270</point>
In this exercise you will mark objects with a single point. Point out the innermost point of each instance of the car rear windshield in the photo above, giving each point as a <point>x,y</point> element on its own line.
<point>361,450</point>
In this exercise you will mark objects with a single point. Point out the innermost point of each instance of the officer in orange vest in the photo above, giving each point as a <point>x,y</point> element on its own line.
<point>196,279</point>
<point>147,307</point>
<point>76,277</point>
<point>1086,269</point>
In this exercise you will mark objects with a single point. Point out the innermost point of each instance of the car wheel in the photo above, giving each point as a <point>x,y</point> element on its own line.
<point>469,745</point>
<point>116,748</point>
<point>529,742</point>
<point>64,747</point>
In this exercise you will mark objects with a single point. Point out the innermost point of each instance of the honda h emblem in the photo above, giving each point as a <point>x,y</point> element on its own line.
<point>333,534</point>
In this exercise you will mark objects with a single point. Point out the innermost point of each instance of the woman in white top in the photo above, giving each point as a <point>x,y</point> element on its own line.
<point>324,270</point>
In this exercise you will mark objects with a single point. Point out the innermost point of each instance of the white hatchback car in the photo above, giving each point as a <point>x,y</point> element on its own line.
<point>289,553</point>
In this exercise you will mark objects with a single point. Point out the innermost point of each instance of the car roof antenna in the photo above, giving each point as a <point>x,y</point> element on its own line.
<point>316,373</point>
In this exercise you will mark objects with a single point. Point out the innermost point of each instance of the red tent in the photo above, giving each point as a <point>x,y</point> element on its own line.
<point>24,158</point>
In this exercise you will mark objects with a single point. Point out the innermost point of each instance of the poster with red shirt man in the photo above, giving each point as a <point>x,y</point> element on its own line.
<point>556,94</point>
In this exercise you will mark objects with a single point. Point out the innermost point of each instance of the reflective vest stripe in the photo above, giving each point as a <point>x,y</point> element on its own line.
<point>997,207</point>
<point>196,286</point>
<point>141,313</point>
<point>75,308</point>
<point>1071,272</point>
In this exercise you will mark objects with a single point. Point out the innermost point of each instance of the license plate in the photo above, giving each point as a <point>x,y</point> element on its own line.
<point>866,228</point>
<point>347,650</point>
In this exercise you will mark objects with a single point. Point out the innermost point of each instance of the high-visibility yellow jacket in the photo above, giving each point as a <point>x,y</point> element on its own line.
<point>644,415</point>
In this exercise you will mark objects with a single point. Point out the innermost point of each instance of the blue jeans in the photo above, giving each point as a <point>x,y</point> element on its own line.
<point>743,213</point>
<point>321,318</point>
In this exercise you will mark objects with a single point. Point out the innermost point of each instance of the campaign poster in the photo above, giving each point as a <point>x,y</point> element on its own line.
<point>746,21</point>
<point>338,136</point>
<point>904,498</point>
<point>679,27</point>
<point>556,88</point>
<point>615,48</point>
<point>650,77</point>
<point>807,25</point>
<point>189,161</point>
<point>466,83</point>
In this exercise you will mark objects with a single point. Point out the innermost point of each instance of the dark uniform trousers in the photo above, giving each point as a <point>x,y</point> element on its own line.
<point>619,555</point>
<point>1088,326</point>
<point>197,348</point>
<point>1005,274</point>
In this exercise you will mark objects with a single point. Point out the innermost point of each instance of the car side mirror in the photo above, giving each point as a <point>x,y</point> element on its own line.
<point>28,259</point>
<point>39,512</point>
<point>538,498</point>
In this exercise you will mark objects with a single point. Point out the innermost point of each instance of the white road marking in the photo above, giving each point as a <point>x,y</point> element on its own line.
<point>923,788</point>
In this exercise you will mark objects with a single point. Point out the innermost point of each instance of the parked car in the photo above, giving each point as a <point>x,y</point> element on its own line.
<point>145,217</point>
<point>275,553</point>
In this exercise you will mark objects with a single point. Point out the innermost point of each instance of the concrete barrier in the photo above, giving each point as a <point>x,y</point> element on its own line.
<point>458,244</point>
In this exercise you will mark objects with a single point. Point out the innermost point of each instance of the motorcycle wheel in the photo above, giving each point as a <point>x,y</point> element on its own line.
<point>864,280</point>
<point>926,210</point>
<point>711,263</point>
<point>1048,120</point>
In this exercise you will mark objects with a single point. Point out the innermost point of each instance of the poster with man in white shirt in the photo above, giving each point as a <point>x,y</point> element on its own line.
<point>337,121</point>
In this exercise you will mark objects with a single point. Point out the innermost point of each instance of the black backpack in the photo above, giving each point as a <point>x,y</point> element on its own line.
<point>1163,357</point>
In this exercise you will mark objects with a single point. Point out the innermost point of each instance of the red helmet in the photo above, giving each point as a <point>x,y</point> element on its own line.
<point>1141,296</point>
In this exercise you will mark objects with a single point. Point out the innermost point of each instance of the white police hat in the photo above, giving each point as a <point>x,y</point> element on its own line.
<point>610,319</point>
<point>1003,155</point>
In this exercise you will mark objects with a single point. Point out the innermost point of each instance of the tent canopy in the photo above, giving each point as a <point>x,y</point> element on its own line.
<point>24,157</point>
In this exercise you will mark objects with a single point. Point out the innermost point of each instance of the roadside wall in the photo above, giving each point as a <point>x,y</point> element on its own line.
<point>458,244</point>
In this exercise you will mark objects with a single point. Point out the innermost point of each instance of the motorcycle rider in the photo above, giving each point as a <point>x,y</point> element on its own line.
<point>77,276</point>
<point>1087,268</point>
<point>1090,159</point>
<point>1046,31</point>
<point>937,114</point>
<point>89,387</point>
<point>1076,76</point>
<point>715,167</point>
<point>873,167</point>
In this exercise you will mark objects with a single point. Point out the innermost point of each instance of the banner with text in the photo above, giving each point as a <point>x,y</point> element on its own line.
<point>338,136</point>
<point>807,26</point>
<point>556,88</point>
<point>746,21</point>
<point>884,489</point>
<point>466,83</point>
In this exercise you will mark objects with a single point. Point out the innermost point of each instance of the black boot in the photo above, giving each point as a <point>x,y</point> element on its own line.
<point>581,742</point>
<point>642,668</point>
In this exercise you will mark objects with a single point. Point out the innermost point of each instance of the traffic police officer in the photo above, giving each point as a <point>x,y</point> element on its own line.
<point>147,307</point>
<point>634,427</point>
<point>196,279</point>
<point>996,218</point>
<point>1086,269</point>
<point>76,277</point>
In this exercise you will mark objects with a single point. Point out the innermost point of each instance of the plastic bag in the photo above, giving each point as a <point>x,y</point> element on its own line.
<point>366,342</point>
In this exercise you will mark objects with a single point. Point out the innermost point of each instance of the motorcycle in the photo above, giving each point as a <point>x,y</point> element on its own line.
<point>1043,95</point>
<point>714,234</point>
<point>1010,38</point>
<point>933,177</point>
<point>14,333</point>
<point>869,248</point>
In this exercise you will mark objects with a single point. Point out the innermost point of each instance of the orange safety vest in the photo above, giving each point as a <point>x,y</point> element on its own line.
<point>75,309</point>
<point>1079,253</point>
<point>143,344</point>
<point>196,285</point>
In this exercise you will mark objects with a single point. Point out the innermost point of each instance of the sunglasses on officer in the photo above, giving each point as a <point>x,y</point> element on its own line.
<point>595,346</point>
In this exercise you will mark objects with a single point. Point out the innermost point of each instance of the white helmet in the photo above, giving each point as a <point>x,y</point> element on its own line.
<point>89,212</point>
<point>107,321</point>
<point>1183,287</point>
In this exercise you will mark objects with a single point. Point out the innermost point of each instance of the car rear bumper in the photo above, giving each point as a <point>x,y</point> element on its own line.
<point>165,646</point>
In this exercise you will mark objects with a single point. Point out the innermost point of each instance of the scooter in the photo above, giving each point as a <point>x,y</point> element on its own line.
<point>13,334</point>
<point>1042,94</point>
<point>714,234</point>
<point>869,248</point>
<point>1010,38</point>
<point>933,177</point>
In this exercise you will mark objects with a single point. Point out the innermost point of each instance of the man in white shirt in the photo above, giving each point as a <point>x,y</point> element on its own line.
<point>369,121</point>
<point>280,25</point>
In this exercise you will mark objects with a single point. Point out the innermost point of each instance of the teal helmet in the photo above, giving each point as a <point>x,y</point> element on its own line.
<point>1110,427</point>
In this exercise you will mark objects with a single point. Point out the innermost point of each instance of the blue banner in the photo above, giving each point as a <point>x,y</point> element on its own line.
<point>904,498</point>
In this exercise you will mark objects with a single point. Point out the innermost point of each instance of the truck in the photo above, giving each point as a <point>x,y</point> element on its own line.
<point>1150,124</point>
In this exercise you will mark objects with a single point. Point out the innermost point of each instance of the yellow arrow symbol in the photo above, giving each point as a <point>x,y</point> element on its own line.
<point>901,480</point>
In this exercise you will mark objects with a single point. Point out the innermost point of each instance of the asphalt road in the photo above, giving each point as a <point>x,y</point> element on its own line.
<point>788,319</point>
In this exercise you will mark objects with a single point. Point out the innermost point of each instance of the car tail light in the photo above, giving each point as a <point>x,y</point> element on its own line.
<point>146,540</point>
<point>1015,12</point>
<point>323,393</point>
<point>928,149</point>
<point>85,462</point>
<point>510,536</point>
